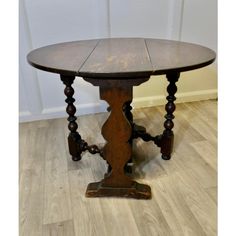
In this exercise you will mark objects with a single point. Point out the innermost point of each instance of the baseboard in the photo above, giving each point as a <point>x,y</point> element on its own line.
<point>60,112</point>
<point>25,116</point>
<point>181,97</point>
<point>91,108</point>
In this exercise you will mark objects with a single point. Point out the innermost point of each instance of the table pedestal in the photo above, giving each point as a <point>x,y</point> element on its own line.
<point>117,131</point>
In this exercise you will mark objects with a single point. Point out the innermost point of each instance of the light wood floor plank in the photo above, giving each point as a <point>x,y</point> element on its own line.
<point>184,189</point>
<point>198,201</point>
<point>120,222</point>
<point>149,218</point>
<point>173,194</point>
<point>197,122</point>
<point>88,216</point>
<point>212,192</point>
<point>57,202</point>
<point>65,228</point>
<point>207,151</point>
<point>31,181</point>
<point>187,158</point>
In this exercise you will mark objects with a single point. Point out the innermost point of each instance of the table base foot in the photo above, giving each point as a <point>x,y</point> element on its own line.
<point>166,158</point>
<point>138,191</point>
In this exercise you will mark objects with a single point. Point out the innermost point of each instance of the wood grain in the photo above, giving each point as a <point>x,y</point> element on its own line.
<point>59,229</point>
<point>184,189</point>
<point>57,202</point>
<point>207,151</point>
<point>88,215</point>
<point>117,151</point>
<point>63,58</point>
<point>120,57</point>
<point>177,200</point>
<point>168,55</point>
<point>31,179</point>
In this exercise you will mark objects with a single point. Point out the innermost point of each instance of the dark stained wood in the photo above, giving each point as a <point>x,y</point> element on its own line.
<point>74,136</point>
<point>136,190</point>
<point>76,144</point>
<point>167,139</point>
<point>169,55</point>
<point>117,152</point>
<point>129,116</point>
<point>117,132</point>
<point>140,132</point>
<point>120,57</point>
<point>62,58</point>
<point>127,111</point>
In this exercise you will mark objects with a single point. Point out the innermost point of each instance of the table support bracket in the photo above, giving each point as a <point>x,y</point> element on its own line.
<point>140,132</point>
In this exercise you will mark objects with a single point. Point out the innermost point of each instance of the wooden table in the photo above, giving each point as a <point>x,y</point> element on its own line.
<point>116,65</point>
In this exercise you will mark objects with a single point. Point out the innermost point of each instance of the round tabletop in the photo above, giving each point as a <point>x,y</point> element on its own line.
<point>120,57</point>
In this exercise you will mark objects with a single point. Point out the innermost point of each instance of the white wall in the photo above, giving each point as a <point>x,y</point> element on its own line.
<point>46,22</point>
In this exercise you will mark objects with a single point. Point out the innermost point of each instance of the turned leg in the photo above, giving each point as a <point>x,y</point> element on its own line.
<point>76,144</point>
<point>167,138</point>
<point>74,138</point>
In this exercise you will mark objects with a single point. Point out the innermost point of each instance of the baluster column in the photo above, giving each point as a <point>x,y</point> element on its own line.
<point>167,138</point>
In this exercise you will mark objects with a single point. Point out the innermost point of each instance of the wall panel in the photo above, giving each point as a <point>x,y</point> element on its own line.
<point>46,22</point>
<point>139,18</point>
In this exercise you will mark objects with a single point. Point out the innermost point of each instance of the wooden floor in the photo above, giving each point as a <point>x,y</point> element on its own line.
<point>184,189</point>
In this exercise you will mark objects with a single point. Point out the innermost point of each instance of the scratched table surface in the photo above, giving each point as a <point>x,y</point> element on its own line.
<point>120,57</point>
